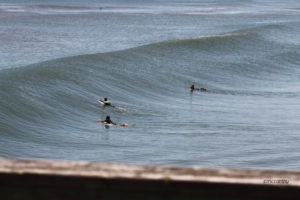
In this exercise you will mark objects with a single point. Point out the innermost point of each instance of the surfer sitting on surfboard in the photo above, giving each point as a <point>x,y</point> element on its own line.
<point>192,88</point>
<point>108,121</point>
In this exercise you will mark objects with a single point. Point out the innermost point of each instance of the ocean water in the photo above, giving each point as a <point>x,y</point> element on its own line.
<point>58,57</point>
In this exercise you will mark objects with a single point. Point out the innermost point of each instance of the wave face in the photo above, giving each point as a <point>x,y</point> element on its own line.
<point>247,118</point>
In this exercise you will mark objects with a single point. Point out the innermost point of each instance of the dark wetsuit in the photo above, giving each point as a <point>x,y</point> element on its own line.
<point>108,121</point>
<point>192,87</point>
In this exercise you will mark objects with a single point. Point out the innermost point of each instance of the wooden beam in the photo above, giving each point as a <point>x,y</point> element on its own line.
<point>36,179</point>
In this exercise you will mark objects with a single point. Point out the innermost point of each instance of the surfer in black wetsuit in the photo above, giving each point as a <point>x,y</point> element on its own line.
<point>192,87</point>
<point>108,120</point>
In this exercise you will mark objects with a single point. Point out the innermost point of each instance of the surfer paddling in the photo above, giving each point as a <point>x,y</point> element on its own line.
<point>108,121</point>
<point>105,102</point>
<point>192,88</point>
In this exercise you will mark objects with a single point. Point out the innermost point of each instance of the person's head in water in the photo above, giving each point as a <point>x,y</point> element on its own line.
<point>107,117</point>
<point>105,99</point>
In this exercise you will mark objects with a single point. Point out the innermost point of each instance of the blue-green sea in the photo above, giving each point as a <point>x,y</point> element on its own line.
<point>57,58</point>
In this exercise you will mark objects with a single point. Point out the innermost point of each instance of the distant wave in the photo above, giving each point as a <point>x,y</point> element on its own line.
<point>45,6</point>
<point>214,59</point>
<point>159,8</point>
<point>49,9</point>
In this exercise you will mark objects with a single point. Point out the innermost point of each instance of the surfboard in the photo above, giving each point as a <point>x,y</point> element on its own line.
<point>105,124</point>
<point>100,101</point>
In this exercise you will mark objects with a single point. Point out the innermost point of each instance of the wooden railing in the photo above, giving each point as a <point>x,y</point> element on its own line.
<point>36,179</point>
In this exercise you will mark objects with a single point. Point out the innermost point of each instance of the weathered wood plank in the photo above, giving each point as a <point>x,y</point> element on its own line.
<point>33,179</point>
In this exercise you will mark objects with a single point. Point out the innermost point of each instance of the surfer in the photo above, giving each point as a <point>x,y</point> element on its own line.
<point>192,88</point>
<point>108,121</point>
<point>105,102</point>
